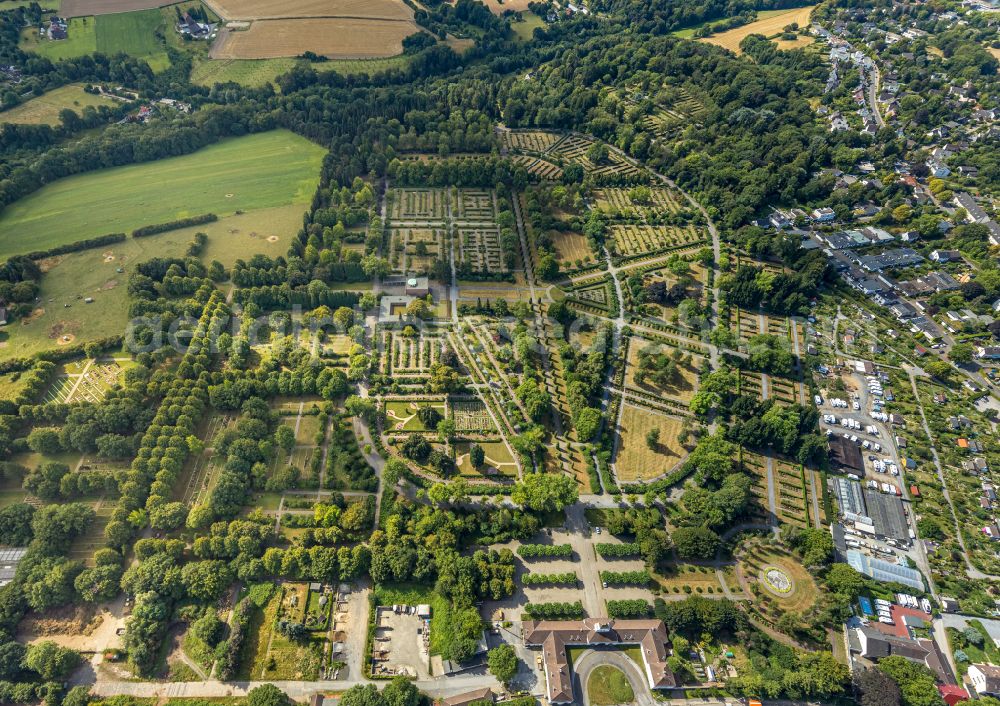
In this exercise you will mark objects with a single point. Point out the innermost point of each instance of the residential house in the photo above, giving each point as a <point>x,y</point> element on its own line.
<point>984,679</point>
<point>938,169</point>
<point>945,255</point>
<point>823,215</point>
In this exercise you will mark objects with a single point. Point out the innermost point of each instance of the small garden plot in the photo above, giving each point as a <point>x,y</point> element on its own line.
<point>418,204</point>
<point>471,417</point>
<point>539,167</point>
<point>777,326</point>
<point>634,459</point>
<point>346,467</point>
<point>402,415</point>
<point>631,202</point>
<point>572,248</point>
<point>754,465</point>
<point>688,104</point>
<point>60,390</point>
<point>596,295</point>
<point>413,356</point>
<point>317,614</point>
<point>471,294</point>
<point>531,141</point>
<point>498,461</point>
<point>415,250</point>
<point>480,251</point>
<point>749,325</point>
<point>336,344</point>
<point>783,390</point>
<point>662,370</point>
<point>792,500</point>
<point>308,428</point>
<point>664,121</point>
<point>631,240</point>
<point>572,147</point>
<point>273,655</point>
<point>92,539</point>
<point>475,206</point>
<point>686,578</point>
<point>750,384</point>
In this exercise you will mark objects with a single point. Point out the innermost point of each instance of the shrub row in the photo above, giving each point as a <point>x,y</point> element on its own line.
<point>567,578</point>
<point>229,661</point>
<point>544,611</point>
<point>635,608</point>
<point>626,549</point>
<point>79,245</point>
<point>174,225</point>
<point>532,551</point>
<point>639,578</point>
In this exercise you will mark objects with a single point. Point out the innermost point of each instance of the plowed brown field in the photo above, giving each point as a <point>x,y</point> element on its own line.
<point>336,38</point>
<point>84,8</point>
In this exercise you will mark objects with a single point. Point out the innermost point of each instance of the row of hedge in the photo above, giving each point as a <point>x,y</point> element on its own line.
<point>566,578</point>
<point>638,578</point>
<point>618,551</point>
<point>634,608</point>
<point>79,245</point>
<point>534,551</point>
<point>174,225</point>
<point>546,611</point>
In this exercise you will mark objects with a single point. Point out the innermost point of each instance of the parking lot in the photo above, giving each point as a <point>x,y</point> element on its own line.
<point>881,475</point>
<point>400,644</point>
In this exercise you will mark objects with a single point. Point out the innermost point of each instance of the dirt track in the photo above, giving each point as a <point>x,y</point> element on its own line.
<point>336,38</point>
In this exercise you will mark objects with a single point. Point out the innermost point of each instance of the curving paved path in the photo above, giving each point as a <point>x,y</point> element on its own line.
<point>589,660</point>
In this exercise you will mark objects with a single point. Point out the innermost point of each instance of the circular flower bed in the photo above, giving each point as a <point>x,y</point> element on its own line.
<point>777,580</point>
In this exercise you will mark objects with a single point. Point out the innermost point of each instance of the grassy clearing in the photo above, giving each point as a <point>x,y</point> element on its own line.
<point>608,686</point>
<point>524,30</point>
<point>258,72</point>
<point>135,34</point>
<point>258,171</point>
<point>635,460</point>
<point>273,656</point>
<point>70,278</point>
<point>81,39</point>
<point>45,109</point>
<point>498,460</point>
<point>94,273</point>
<point>402,415</point>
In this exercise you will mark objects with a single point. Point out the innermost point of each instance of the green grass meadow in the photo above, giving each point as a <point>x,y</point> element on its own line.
<point>136,34</point>
<point>260,171</point>
<point>524,30</point>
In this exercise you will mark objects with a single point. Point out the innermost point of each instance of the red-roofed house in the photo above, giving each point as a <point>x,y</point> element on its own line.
<point>952,694</point>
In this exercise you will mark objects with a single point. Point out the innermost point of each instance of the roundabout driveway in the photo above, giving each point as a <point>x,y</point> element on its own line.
<point>589,660</point>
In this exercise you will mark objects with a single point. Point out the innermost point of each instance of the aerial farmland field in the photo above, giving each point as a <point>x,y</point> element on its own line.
<point>260,171</point>
<point>769,25</point>
<point>45,109</point>
<point>260,9</point>
<point>336,38</point>
<point>135,34</point>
